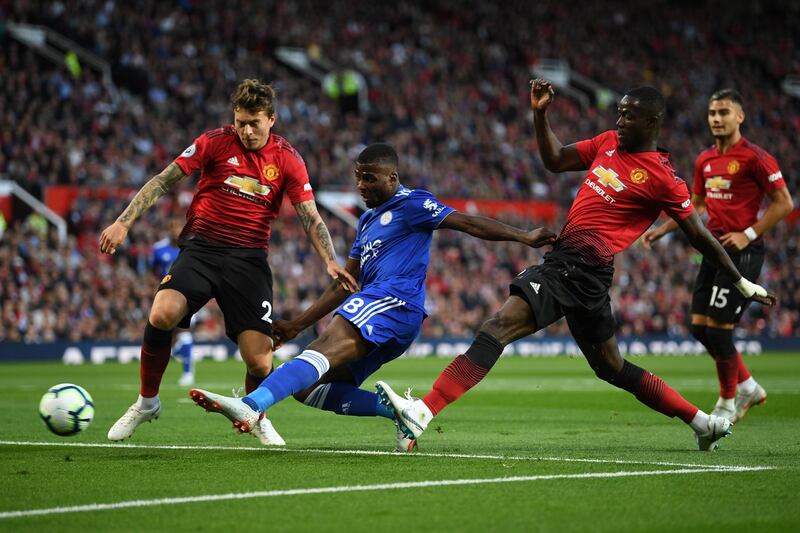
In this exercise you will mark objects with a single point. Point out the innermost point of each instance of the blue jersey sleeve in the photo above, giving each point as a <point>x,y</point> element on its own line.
<point>423,211</point>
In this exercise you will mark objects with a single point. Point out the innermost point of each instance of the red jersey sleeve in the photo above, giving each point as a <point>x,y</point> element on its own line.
<point>297,186</point>
<point>674,199</point>
<point>698,185</point>
<point>768,173</point>
<point>588,148</point>
<point>195,156</point>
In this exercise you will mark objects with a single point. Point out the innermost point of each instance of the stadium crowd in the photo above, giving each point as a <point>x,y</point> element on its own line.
<point>454,105</point>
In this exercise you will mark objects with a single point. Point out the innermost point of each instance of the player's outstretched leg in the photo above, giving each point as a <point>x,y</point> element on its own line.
<point>514,320</point>
<point>411,414</point>
<point>243,416</point>
<point>153,362</point>
<point>651,390</point>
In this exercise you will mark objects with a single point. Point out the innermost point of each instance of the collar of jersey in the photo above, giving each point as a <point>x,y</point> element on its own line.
<point>391,201</point>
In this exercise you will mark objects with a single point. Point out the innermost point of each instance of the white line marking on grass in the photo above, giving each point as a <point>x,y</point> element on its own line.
<point>343,488</point>
<point>374,453</point>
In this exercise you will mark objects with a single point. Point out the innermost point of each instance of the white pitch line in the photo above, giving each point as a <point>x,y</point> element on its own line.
<point>340,489</point>
<point>731,468</point>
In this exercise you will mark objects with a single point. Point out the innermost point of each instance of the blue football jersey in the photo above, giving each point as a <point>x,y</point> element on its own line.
<point>164,254</point>
<point>393,244</point>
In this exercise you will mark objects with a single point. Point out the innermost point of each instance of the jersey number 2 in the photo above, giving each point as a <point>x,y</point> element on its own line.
<point>268,315</point>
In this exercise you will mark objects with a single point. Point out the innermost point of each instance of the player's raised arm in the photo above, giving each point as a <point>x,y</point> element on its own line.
<point>652,235</point>
<point>317,231</point>
<point>158,186</point>
<point>492,230</point>
<point>706,244</point>
<point>555,156</point>
<point>333,297</point>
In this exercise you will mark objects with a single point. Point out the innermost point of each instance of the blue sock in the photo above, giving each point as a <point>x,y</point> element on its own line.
<point>186,357</point>
<point>294,376</point>
<point>347,399</point>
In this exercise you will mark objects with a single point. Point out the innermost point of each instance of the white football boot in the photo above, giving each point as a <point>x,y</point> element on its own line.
<point>265,432</point>
<point>133,417</point>
<point>744,401</point>
<point>244,418</point>
<point>720,409</point>
<point>404,444</point>
<point>718,427</point>
<point>411,414</point>
<point>186,379</point>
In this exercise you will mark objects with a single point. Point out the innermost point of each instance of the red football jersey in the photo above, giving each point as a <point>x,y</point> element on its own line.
<point>622,195</point>
<point>240,191</point>
<point>734,184</point>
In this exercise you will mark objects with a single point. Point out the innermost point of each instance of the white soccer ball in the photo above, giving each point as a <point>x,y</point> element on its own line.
<point>66,409</point>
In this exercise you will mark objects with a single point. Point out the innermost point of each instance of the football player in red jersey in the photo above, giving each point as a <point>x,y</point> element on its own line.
<point>245,170</point>
<point>731,180</point>
<point>628,183</point>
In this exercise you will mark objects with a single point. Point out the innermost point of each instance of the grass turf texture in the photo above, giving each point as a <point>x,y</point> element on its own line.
<point>529,412</point>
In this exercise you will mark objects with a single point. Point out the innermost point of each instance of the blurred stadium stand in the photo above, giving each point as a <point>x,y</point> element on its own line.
<point>446,85</point>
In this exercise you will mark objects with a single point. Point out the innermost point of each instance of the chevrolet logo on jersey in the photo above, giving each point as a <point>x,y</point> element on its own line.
<point>716,183</point>
<point>608,178</point>
<point>248,186</point>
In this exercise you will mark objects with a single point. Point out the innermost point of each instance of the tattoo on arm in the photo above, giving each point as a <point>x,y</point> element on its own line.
<point>158,186</point>
<point>316,229</point>
<point>325,240</point>
<point>304,211</point>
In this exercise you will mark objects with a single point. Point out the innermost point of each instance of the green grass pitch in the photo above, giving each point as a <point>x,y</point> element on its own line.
<point>539,445</point>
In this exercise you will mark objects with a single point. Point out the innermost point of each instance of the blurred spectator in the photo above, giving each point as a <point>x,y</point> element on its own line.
<point>446,85</point>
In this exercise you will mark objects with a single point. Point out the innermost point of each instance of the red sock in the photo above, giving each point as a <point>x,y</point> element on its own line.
<point>155,357</point>
<point>654,393</point>
<point>727,373</point>
<point>743,373</point>
<point>459,376</point>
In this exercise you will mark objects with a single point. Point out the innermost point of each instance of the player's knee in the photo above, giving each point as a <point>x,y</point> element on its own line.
<point>259,366</point>
<point>163,318</point>
<point>700,333</point>
<point>720,342</point>
<point>500,327</point>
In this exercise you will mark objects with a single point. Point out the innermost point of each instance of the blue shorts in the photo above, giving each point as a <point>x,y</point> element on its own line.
<point>387,322</point>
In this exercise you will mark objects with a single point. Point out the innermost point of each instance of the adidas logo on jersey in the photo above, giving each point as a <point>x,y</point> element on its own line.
<point>233,161</point>
<point>707,168</point>
<point>535,287</point>
<point>609,153</point>
<point>369,329</point>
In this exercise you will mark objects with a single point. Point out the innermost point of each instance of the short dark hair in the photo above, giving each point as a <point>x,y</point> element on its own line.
<point>379,153</point>
<point>728,94</point>
<point>254,96</point>
<point>650,99</point>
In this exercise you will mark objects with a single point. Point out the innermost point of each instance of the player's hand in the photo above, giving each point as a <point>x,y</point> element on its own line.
<point>735,240</point>
<point>112,237</point>
<point>541,94</point>
<point>536,238</point>
<point>342,276</point>
<point>769,300</point>
<point>283,331</point>
<point>649,237</point>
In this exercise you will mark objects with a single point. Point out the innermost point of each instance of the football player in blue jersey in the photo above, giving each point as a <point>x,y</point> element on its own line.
<point>164,254</point>
<point>390,257</point>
